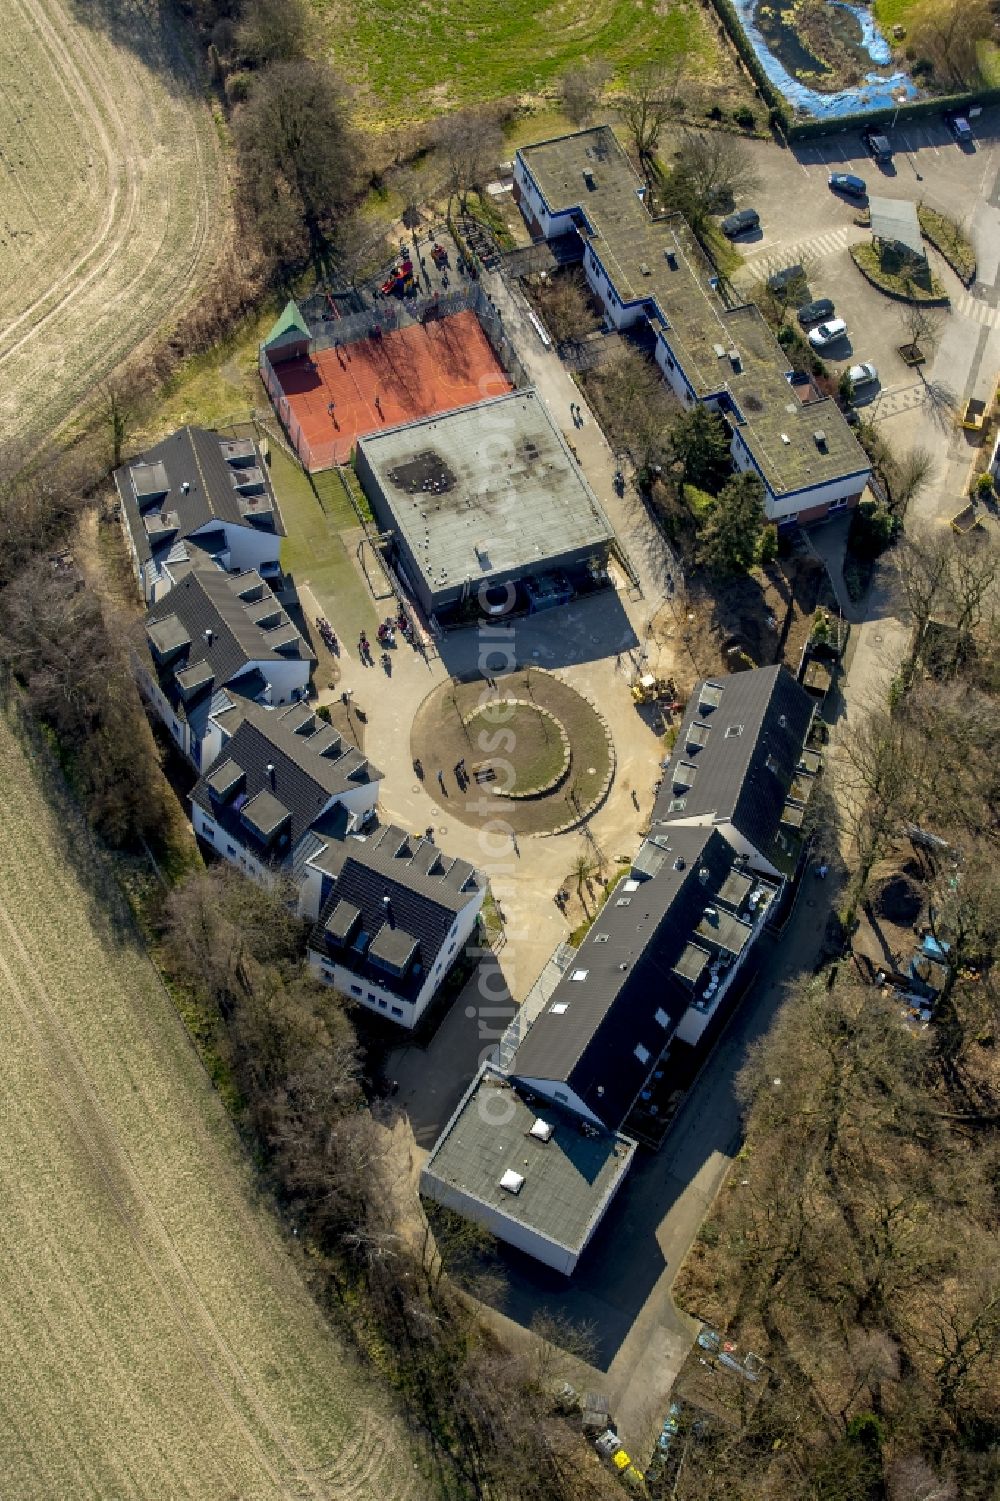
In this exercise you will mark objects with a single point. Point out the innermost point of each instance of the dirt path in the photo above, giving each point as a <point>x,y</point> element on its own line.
<point>156,1339</point>
<point>113,204</point>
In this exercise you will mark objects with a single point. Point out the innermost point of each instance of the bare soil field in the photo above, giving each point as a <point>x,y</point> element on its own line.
<point>113,202</point>
<point>157,1338</point>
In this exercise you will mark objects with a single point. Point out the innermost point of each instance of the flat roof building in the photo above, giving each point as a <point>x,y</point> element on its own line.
<point>534,1175</point>
<point>489,494</point>
<point>710,346</point>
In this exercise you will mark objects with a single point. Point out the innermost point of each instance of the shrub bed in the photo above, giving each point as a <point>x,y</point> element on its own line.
<point>948,240</point>
<point>894,284</point>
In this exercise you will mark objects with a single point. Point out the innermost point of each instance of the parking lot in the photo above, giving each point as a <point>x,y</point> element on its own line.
<point>802,220</point>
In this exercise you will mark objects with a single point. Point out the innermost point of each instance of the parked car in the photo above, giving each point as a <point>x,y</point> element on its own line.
<point>740,223</point>
<point>877,145</point>
<point>815,312</point>
<point>960,128</point>
<point>862,375</point>
<point>791,277</point>
<point>846,182</point>
<point>828,333</point>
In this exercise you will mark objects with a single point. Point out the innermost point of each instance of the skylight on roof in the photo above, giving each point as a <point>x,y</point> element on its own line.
<point>579,974</point>
<point>560,1008</point>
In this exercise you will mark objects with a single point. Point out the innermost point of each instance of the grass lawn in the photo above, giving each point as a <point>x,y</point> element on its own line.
<point>221,384</point>
<point>537,755</point>
<point>314,551</point>
<point>418,59</point>
<point>889,13</point>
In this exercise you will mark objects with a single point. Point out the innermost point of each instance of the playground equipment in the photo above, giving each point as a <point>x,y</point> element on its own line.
<point>649,689</point>
<point>400,279</point>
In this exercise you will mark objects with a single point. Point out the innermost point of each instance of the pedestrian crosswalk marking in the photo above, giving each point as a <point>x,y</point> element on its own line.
<point>771,258</point>
<point>977,311</point>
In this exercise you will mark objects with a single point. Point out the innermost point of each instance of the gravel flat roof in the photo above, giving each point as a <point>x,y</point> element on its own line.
<point>567,1179</point>
<point>489,489</point>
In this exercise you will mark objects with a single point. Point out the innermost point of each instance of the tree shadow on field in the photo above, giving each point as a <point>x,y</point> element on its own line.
<point>152,31</point>
<point>107,907</point>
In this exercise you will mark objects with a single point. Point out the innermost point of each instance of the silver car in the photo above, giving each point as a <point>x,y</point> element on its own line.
<point>826,334</point>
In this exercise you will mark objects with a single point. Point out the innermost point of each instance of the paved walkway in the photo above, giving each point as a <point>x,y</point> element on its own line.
<point>593,644</point>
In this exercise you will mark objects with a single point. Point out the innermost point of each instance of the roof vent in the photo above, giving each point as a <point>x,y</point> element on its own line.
<point>783,722</point>
<point>719,351</point>
<point>735,361</point>
<point>671,259</point>
<point>208,635</point>
<point>819,438</point>
<point>270,770</point>
<point>541,1130</point>
<point>588,178</point>
<point>644,268</point>
<point>712,912</point>
<point>512,1182</point>
<point>785,438</point>
<point>680,863</point>
<point>704,874</point>
<point>185,487</point>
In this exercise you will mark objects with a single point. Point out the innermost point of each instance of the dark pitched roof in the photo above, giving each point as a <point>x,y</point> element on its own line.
<point>403,936</point>
<point>738,753</point>
<point>311,765</point>
<point>225,480</point>
<point>206,632</point>
<point>633,978</point>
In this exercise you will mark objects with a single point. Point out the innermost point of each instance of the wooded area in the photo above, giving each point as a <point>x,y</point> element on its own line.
<point>854,1248</point>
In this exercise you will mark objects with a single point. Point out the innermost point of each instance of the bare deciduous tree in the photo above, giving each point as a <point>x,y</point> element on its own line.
<point>581,88</point>
<point>470,143</point>
<point>711,166</point>
<point>647,103</point>
<point>300,159</point>
<point>272,31</point>
<point>922,325</point>
<point>119,405</point>
<point>948,33</point>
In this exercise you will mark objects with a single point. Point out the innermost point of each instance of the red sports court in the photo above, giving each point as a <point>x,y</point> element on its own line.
<point>337,394</point>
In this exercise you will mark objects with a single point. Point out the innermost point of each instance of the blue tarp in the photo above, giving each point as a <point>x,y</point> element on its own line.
<point>875,93</point>
<point>933,949</point>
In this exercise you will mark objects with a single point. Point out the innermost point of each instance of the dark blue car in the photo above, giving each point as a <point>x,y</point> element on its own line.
<point>846,182</point>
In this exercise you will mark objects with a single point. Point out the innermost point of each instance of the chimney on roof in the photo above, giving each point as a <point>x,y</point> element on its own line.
<point>270,772</point>
<point>209,634</point>
<point>387,907</point>
<point>185,487</point>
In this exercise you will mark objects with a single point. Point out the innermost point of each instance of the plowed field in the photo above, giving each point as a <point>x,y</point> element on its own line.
<point>112,196</point>
<point>157,1340</point>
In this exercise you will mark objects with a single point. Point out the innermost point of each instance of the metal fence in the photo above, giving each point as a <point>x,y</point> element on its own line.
<point>387,316</point>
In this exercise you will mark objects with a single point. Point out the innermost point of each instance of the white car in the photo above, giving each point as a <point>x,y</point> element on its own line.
<point>863,374</point>
<point>828,333</point>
